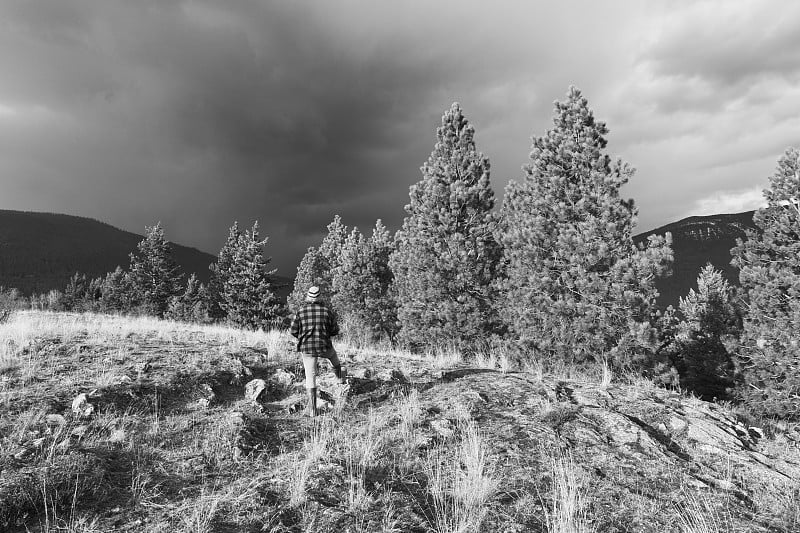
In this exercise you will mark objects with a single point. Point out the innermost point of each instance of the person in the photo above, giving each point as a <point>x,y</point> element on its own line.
<point>313,325</point>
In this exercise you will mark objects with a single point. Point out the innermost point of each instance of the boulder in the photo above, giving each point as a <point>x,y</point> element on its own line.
<point>254,389</point>
<point>282,378</point>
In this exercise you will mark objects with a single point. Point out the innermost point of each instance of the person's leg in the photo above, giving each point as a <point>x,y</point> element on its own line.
<point>333,357</point>
<point>310,366</point>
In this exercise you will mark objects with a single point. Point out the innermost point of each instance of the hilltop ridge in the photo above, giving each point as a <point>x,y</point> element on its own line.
<point>172,442</point>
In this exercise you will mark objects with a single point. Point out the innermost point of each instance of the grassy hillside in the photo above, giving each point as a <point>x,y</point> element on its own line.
<point>695,242</point>
<point>41,251</point>
<point>411,444</point>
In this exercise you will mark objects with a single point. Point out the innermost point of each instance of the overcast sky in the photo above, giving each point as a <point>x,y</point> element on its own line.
<point>199,113</point>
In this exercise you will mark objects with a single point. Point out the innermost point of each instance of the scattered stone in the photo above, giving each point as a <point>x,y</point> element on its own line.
<point>359,373</point>
<point>79,431</point>
<point>755,433</point>
<point>283,378</point>
<point>81,406</point>
<point>118,435</point>
<point>55,420</point>
<point>254,389</point>
<point>443,427</point>
<point>391,374</point>
<point>207,395</point>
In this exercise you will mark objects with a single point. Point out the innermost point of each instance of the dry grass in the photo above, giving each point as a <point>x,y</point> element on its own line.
<point>459,483</point>
<point>567,512</point>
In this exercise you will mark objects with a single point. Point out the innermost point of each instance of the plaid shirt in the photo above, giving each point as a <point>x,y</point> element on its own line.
<point>314,325</point>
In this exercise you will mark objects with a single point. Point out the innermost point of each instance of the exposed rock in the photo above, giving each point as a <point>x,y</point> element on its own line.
<point>443,427</point>
<point>81,406</point>
<point>254,389</point>
<point>79,431</point>
<point>391,374</point>
<point>359,373</point>
<point>55,420</point>
<point>207,395</point>
<point>283,378</point>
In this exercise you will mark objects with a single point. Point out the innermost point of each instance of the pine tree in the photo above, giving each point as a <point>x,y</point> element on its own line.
<point>116,290</point>
<point>707,335</point>
<point>446,254</point>
<point>769,263</point>
<point>577,287</point>
<point>220,272</point>
<point>155,277</point>
<point>362,284</point>
<point>75,293</point>
<point>247,294</point>
<point>310,272</point>
<point>318,266</point>
<point>191,305</point>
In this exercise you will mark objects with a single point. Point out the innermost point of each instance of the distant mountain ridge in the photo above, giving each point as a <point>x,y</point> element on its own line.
<point>41,251</point>
<point>696,241</point>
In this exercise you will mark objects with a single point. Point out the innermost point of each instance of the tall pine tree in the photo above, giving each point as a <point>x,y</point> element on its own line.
<point>363,285</point>
<point>446,254</point>
<point>154,275</point>
<point>577,287</point>
<point>248,298</point>
<point>319,265</point>
<point>311,271</point>
<point>220,272</point>
<point>769,263</point>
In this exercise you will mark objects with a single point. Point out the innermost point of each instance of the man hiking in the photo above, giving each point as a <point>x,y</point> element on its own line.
<point>314,324</point>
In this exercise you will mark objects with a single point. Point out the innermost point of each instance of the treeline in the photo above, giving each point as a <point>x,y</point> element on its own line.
<point>241,290</point>
<point>555,274</point>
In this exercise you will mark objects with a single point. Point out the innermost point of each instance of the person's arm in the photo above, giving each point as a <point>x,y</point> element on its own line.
<point>294,329</point>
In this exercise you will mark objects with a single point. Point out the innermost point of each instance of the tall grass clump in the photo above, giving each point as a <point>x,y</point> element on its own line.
<point>567,512</point>
<point>460,485</point>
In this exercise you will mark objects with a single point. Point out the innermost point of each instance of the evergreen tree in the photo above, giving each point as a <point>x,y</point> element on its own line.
<point>577,287</point>
<point>191,305</point>
<point>362,284</point>
<point>707,335</point>
<point>310,272</point>
<point>220,272</point>
<point>247,294</point>
<point>154,275</point>
<point>116,290</point>
<point>319,265</point>
<point>446,254</point>
<point>75,293</point>
<point>769,263</point>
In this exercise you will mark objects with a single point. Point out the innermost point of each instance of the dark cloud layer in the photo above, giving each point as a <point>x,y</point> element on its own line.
<point>198,113</point>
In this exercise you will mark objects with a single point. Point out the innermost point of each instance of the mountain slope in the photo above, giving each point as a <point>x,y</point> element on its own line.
<point>40,251</point>
<point>695,242</point>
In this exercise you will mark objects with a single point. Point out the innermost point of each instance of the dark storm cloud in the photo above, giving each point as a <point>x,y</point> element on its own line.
<point>199,113</point>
